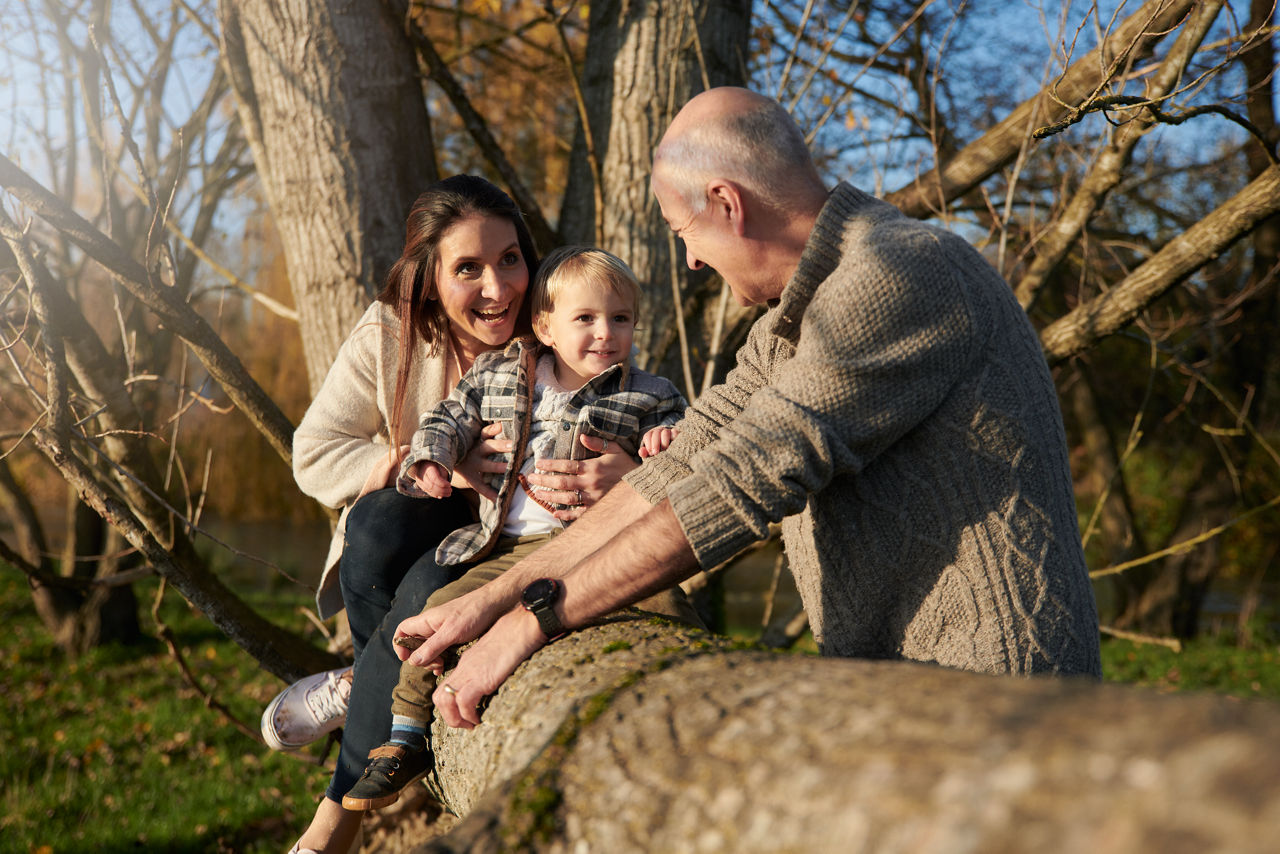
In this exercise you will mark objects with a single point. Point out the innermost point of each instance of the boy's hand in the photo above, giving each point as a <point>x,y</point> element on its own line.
<point>432,478</point>
<point>656,441</point>
<point>470,471</point>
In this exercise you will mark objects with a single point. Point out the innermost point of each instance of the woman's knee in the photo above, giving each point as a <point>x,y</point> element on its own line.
<point>380,518</point>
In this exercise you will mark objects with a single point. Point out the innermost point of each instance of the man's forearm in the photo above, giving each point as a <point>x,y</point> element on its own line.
<point>644,557</point>
<point>619,510</point>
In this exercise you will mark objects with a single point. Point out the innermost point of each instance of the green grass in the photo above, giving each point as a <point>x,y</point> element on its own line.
<point>1204,664</point>
<point>114,752</point>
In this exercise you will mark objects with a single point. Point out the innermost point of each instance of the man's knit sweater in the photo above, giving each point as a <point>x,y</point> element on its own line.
<point>895,413</point>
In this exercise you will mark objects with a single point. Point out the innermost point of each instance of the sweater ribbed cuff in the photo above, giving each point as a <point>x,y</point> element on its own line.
<point>714,531</point>
<point>655,475</point>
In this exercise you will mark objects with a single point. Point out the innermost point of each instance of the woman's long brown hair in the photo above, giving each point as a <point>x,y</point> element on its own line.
<point>409,281</point>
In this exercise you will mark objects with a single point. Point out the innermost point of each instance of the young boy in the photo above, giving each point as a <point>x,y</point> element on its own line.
<point>577,381</point>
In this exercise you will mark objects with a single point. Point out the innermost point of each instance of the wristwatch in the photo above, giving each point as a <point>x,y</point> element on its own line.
<point>539,599</point>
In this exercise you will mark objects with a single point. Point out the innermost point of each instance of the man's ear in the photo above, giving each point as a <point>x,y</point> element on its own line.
<point>725,197</point>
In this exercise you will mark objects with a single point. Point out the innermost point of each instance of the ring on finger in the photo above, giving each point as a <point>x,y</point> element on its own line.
<point>605,446</point>
<point>449,689</point>
<point>578,492</point>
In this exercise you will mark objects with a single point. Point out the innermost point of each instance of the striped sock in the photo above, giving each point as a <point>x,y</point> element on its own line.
<point>410,732</point>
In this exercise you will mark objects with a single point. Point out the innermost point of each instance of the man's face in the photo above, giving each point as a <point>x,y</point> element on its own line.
<point>709,241</point>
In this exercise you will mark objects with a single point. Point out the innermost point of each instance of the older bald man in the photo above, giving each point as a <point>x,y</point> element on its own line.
<point>892,410</point>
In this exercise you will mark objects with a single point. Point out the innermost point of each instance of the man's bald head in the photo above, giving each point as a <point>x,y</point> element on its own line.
<point>740,136</point>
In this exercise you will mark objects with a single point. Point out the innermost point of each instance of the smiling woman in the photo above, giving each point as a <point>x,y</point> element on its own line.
<point>456,292</point>
<point>480,283</point>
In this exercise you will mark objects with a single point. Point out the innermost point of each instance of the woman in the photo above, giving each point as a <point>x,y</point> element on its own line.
<point>456,291</point>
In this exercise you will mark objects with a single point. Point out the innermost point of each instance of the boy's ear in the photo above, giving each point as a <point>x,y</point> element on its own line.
<point>541,331</point>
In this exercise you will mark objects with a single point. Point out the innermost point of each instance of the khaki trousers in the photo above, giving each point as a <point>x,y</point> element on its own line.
<point>412,695</point>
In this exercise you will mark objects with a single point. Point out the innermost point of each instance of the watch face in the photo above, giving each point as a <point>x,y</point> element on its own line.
<point>538,592</point>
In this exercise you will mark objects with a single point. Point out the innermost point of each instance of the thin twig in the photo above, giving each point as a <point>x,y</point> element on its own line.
<point>165,634</point>
<point>1173,643</point>
<point>1185,545</point>
<point>1107,102</point>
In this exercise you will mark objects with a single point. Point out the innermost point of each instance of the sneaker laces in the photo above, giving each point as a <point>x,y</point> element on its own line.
<point>329,700</point>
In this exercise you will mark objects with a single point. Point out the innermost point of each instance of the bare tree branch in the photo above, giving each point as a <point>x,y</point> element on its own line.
<point>173,312</point>
<point>1112,311</point>
<point>983,157</point>
<point>545,236</point>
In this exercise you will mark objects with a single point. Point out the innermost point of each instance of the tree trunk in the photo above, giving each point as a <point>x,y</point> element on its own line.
<point>332,105</point>
<point>643,62</point>
<point>638,736</point>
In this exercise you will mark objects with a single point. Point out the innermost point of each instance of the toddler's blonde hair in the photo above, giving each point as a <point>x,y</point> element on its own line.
<point>572,265</point>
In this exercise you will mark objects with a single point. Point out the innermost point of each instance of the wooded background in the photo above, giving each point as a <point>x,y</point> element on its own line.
<point>201,198</point>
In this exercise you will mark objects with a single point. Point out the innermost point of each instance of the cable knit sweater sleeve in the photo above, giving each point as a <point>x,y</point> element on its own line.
<point>886,331</point>
<point>706,417</point>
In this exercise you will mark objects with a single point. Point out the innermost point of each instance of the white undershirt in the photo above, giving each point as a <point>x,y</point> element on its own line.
<point>525,517</point>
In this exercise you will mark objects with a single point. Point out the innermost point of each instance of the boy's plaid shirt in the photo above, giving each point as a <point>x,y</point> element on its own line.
<point>620,405</point>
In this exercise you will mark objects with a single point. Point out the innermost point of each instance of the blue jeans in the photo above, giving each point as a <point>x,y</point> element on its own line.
<point>388,570</point>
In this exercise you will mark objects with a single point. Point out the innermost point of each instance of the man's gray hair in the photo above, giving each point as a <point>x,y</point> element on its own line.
<point>762,149</point>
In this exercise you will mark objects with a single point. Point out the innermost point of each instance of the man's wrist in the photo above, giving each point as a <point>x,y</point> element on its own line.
<point>541,598</point>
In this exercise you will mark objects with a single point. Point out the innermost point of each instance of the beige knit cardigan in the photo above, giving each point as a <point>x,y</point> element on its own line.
<point>344,433</point>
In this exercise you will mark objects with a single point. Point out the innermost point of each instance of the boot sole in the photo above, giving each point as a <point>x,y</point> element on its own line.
<point>365,804</point>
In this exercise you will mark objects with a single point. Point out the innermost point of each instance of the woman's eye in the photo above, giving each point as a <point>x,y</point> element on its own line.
<point>511,258</point>
<point>466,269</point>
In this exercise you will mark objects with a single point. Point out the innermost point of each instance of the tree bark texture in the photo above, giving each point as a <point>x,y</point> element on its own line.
<point>641,737</point>
<point>332,105</point>
<point>643,62</point>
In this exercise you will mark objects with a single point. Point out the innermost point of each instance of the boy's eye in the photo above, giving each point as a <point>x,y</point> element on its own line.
<point>622,318</point>
<point>583,318</point>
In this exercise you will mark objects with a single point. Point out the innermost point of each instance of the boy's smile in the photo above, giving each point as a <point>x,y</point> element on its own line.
<point>590,329</point>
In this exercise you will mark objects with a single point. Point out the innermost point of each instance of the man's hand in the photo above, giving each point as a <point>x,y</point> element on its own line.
<point>485,666</point>
<point>447,625</point>
<point>471,470</point>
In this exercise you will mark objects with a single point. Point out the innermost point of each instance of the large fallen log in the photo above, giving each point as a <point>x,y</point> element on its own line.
<point>640,736</point>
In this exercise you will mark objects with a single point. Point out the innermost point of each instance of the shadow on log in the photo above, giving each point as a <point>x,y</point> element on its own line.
<point>640,736</point>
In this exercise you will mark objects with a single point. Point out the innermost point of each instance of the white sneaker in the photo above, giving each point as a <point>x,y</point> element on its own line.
<point>307,710</point>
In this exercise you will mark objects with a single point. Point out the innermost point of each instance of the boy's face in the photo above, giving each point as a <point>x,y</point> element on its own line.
<point>589,329</point>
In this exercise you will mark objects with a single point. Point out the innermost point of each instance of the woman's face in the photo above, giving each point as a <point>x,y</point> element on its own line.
<point>480,282</point>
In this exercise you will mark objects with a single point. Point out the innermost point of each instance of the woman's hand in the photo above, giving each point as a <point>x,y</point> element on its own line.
<point>383,473</point>
<point>581,483</point>
<point>470,472</point>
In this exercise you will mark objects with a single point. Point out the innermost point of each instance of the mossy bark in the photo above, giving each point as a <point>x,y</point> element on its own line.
<point>639,736</point>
